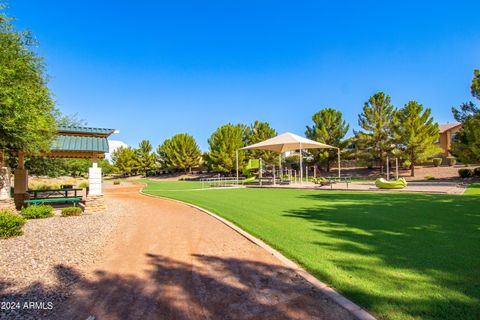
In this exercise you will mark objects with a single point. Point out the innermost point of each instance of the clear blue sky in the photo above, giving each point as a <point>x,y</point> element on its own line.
<point>155,69</point>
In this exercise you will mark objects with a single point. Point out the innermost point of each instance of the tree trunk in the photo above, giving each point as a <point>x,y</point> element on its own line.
<point>412,165</point>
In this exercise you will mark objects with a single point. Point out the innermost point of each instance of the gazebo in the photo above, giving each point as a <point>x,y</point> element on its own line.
<point>289,142</point>
<point>71,142</point>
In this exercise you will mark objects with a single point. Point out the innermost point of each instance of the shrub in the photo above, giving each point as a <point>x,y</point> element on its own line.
<point>116,182</point>
<point>476,172</point>
<point>37,212</point>
<point>71,211</point>
<point>407,164</point>
<point>10,224</point>
<point>451,161</point>
<point>465,173</point>
<point>83,184</point>
<point>43,185</point>
<point>429,178</point>
<point>437,162</point>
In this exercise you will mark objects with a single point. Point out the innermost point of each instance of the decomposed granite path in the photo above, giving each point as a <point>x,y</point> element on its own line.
<point>171,261</point>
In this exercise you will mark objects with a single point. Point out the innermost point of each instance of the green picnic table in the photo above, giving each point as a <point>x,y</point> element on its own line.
<point>73,200</point>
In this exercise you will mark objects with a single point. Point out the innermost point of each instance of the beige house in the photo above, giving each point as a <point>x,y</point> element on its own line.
<point>447,134</point>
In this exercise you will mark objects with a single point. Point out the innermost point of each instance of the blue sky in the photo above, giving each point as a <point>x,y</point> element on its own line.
<point>152,69</point>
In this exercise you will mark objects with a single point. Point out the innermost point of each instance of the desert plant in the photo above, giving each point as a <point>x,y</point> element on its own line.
<point>476,172</point>
<point>10,224</point>
<point>451,161</point>
<point>37,212</point>
<point>465,173</point>
<point>43,185</point>
<point>83,184</point>
<point>71,211</point>
<point>437,162</point>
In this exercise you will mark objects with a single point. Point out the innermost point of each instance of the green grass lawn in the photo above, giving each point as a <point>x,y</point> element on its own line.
<point>399,255</point>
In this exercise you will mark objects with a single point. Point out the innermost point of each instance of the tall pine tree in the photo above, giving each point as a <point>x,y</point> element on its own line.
<point>416,133</point>
<point>329,128</point>
<point>179,152</point>
<point>224,143</point>
<point>258,132</point>
<point>375,141</point>
<point>145,156</point>
<point>466,145</point>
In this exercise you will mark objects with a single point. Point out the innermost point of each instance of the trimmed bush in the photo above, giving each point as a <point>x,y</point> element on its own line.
<point>476,172</point>
<point>10,224</point>
<point>71,211</point>
<point>116,182</point>
<point>465,173</point>
<point>451,161</point>
<point>37,212</point>
<point>429,178</point>
<point>83,185</point>
<point>437,162</point>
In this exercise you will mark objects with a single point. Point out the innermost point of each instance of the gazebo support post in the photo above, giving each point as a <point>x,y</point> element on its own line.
<point>6,202</point>
<point>20,182</point>
<point>95,201</point>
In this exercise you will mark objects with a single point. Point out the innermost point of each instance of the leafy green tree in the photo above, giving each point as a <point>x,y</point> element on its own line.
<point>258,132</point>
<point>377,121</point>
<point>179,152</point>
<point>416,133</point>
<point>125,160</point>
<point>330,128</point>
<point>224,143</point>
<point>26,106</point>
<point>466,146</point>
<point>145,157</point>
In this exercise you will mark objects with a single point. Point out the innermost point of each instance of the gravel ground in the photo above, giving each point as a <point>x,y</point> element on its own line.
<point>33,267</point>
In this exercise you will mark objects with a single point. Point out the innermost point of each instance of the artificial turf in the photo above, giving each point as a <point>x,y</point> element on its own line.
<point>399,255</point>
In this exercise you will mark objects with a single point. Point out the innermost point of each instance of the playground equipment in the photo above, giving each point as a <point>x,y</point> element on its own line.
<point>381,183</point>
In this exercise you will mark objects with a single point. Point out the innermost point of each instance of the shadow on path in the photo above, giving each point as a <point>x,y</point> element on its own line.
<point>170,289</point>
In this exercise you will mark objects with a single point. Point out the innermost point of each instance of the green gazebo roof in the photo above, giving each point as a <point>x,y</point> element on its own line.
<point>85,130</point>
<point>80,143</point>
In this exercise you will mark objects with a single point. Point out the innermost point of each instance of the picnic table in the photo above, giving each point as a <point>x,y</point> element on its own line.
<point>50,193</point>
<point>54,196</point>
<point>332,180</point>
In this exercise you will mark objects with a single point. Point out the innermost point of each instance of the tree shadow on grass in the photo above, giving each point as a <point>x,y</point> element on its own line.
<point>209,288</point>
<point>400,254</point>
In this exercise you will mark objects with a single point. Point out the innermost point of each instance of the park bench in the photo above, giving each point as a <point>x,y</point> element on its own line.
<point>73,200</point>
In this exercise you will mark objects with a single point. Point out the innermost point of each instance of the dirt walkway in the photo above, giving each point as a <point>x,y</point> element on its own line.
<point>170,261</point>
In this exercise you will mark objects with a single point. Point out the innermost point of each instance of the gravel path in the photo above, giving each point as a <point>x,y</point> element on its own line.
<point>31,265</point>
<point>171,261</point>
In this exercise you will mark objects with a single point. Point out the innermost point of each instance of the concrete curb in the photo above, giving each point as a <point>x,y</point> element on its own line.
<point>353,308</point>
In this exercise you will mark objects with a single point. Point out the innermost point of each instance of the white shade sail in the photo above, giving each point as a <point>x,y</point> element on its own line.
<point>288,142</point>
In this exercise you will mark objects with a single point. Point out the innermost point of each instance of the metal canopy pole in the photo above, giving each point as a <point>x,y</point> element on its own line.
<point>301,165</point>
<point>388,169</point>
<point>396,168</point>
<point>339,166</point>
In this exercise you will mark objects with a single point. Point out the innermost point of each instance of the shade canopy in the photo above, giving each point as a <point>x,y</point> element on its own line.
<point>288,142</point>
<point>80,142</point>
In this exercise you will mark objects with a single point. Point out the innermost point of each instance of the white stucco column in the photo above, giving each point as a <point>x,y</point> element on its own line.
<point>95,179</point>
